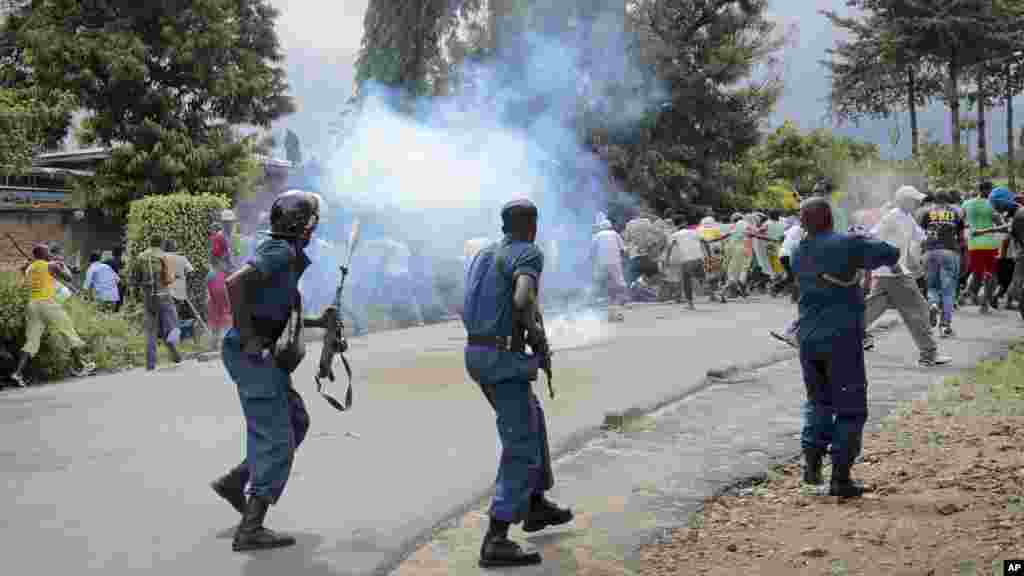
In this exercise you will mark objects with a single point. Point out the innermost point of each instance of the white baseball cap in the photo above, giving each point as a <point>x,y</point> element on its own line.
<point>910,193</point>
<point>228,216</point>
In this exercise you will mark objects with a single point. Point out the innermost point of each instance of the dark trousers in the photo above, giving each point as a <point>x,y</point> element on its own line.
<point>688,271</point>
<point>525,466</point>
<point>794,288</point>
<point>836,406</point>
<point>159,320</point>
<point>641,266</point>
<point>276,420</point>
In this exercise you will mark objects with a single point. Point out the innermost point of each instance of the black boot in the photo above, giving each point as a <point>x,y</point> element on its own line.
<point>544,513</point>
<point>842,486</point>
<point>251,535</point>
<point>231,487</point>
<point>498,551</point>
<point>812,466</point>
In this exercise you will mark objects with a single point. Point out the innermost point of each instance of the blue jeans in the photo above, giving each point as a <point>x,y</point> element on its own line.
<point>276,420</point>
<point>836,407</point>
<point>525,467</point>
<point>943,277</point>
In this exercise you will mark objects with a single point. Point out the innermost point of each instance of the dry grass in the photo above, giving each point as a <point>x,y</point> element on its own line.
<point>948,499</point>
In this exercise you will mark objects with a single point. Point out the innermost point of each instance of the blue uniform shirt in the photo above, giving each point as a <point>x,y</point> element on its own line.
<point>491,282</point>
<point>280,281</point>
<point>829,311</point>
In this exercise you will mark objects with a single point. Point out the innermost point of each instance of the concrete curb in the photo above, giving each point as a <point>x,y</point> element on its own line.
<point>577,441</point>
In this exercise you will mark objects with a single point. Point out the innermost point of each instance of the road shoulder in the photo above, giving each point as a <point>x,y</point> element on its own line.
<point>650,474</point>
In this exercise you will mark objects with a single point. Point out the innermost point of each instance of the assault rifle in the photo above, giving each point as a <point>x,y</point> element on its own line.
<point>334,334</point>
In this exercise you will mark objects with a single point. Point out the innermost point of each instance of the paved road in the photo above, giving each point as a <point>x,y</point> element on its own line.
<point>109,474</point>
<point>627,487</point>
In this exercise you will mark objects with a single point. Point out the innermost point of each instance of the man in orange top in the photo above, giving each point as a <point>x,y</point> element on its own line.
<point>45,312</point>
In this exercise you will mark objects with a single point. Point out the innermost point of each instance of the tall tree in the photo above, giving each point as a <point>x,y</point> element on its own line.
<point>873,76</point>
<point>402,41</point>
<point>163,83</point>
<point>705,52</point>
<point>293,148</point>
<point>26,122</point>
<point>957,34</point>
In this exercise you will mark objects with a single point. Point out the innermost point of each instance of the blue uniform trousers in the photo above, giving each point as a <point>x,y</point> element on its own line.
<point>276,420</point>
<point>525,467</point>
<point>836,406</point>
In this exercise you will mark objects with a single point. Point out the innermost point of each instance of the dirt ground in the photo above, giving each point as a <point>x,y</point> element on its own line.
<point>947,474</point>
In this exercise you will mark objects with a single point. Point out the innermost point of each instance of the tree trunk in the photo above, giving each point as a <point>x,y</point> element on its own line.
<point>953,95</point>
<point>912,109</point>
<point>1009,139</point>
<point>982,134</point>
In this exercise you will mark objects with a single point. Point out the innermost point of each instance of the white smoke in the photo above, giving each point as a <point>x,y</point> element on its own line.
<point>438,177</point>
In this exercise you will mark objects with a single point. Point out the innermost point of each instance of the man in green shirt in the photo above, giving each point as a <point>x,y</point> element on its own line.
<point>982,251</point>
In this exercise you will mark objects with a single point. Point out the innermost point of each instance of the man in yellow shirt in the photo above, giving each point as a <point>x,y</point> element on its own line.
<point>45,312</point>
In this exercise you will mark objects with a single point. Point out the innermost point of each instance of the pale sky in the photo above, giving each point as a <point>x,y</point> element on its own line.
<point>321,40</point>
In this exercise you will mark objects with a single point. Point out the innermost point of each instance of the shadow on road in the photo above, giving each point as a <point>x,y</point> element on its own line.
<point>298,559</point>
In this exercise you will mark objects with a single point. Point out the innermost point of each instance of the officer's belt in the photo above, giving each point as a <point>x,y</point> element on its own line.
<point>498,342</point>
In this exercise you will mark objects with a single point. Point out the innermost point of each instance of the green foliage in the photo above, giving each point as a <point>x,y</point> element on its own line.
<point>164,81</point>
<point>401,44</point>
<point>113,341</point>
<point>184,218</point>
<point>704,52</point>
<point>25,122</point>
<point>945,167</point>
<point>222,165</point>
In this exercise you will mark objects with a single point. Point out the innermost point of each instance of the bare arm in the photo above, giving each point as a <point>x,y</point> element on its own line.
<point>525,300</point>
<point>239,286</point>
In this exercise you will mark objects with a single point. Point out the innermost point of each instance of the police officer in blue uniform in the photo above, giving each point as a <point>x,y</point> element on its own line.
<point>264,296</point>
<point>501,314</point>
<point>828,267</point>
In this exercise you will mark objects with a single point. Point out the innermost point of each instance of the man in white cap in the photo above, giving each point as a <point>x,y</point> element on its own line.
<point>896,286</point>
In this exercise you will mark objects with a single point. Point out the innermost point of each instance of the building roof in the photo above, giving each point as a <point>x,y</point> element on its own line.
<point>90,156</point>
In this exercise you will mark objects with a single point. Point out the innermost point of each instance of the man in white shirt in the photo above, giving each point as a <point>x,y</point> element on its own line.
<point>606,250</point>
<point>896,287</point>
<point>684,260</point>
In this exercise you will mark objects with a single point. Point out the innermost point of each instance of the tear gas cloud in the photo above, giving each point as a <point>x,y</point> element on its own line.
<point>438,177</point>
<point>870,187</point>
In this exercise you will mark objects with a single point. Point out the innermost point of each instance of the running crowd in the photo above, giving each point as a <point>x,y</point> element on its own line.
<point>954,252</point>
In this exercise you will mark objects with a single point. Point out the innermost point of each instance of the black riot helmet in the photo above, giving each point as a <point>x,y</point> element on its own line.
<point>823,187</point>
<point>295,215</point>
<point>519,219</point>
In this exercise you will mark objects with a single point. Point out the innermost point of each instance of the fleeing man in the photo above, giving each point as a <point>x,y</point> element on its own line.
<point>500,315</point>
<point>44,312</point>
<point>102,282</point>
<point>944,226</point>
<point>180,268</point>
<point>152,274</point>
<point>982,249</point>
<point>896,286</point>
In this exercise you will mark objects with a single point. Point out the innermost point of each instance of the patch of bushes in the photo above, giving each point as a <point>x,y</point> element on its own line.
<point>184,218</point>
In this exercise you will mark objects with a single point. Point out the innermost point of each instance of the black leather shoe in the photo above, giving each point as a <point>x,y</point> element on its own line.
<point>544,513</point>
<point>500,552</point>
<point>251,535</point>
<point>231,487</point>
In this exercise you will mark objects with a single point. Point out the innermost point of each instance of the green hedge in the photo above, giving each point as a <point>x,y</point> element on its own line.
<point>113,341</point>
<point>186,219</point>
